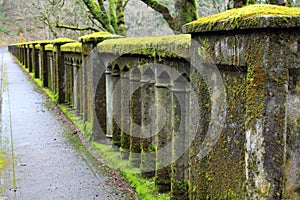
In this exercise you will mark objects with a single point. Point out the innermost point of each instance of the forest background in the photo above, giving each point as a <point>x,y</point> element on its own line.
<point>49,19</point>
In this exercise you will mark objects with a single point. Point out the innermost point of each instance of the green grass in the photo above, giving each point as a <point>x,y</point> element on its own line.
<point>2,163</point>
<point>145,188</point>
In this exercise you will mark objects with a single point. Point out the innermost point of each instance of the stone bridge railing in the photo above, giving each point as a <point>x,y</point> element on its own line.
<point>213,114</point>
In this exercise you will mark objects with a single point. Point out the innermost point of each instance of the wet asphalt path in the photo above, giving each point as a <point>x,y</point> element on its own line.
<point>40,162</point>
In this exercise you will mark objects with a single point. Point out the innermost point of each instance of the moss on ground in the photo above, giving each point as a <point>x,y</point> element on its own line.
<point>145,188</point>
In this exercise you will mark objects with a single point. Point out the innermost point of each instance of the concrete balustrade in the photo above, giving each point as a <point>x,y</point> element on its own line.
<point>210,114</point>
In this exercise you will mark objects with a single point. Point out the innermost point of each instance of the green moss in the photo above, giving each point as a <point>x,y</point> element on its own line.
<point>38,46</point>
<point>253,16</point>
<point>72,47</point>
<point>164,46</point>
<point>98,37</point>
<point>43,41</point>
<point>2,161</point>
<point>255,89</point>
<point>144,187</point>
<point>49,47</point>
<point>62,41</point>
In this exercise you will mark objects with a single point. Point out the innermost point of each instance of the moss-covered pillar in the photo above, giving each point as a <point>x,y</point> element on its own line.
<point>23,54</point>
<point>49,51</point>
<point>266,122</point>
<point>68,63</point>
<point>35,60</point>
<point>30,57</point>
<point>163,129</point>
<point>116,109</point>
<point>28,62</point>
<point>71,83</point>
<point>98,118</point>
<point>20,53</point>
<point>135,117</point>
<point>292,167</point>
<point>125,113</point>
<point>180,137</point>
<point>59,69</point>
<point>267,43</point>
<point>84,72</point>
<point>148,123</point>
<point>76,87</point>
<point>44,68</point>
<point>89,44</point>
<point>109,102</point>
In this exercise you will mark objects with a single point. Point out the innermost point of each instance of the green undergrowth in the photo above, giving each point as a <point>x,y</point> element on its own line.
<point>145,188</point>
<point>2,163</point>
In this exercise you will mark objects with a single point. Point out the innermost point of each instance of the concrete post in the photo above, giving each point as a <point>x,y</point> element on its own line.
<point>135,117</point>
<point>163,129</point>
<point>125,114</point>
<point>59,69</point>
<point>181,134</point>
<point>148,124</point>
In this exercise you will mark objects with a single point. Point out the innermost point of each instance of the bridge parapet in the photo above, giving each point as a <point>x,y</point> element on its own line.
<point>256,49</point>
<point>211,114</point>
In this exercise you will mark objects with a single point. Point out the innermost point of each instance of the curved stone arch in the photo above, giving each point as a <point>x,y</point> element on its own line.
<point>135,74</point>
<point>78,61</point>
<point>148,75</point>
<point>163,79</point>
<point>108,69</point>
<point>125,69</point>
<point>116,69</point>
<point>181,82</point>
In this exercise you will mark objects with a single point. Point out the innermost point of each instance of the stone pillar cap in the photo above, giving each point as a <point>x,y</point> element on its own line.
<point>97,37</point>
<point>256,16</point>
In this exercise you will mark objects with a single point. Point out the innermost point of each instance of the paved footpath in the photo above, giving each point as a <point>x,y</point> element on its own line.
<point>41,164</point>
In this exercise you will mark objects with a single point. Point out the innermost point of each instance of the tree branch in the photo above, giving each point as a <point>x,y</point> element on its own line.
<point>162,9</point>
<point>125,4</point>
<point>97,11</point>
<point>74,28</point>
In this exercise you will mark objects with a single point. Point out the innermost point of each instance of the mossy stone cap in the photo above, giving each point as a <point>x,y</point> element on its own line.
<point>49,47</point>
<point>97,37</point>
<point>43,41</point>
<point>248,17</point>
<point>72,47</point>
<point>163,46</point>
<point>62,41</point>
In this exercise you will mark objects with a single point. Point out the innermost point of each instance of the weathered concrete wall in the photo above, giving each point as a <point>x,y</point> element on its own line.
<point>211,115</point>
<point>254,147</point>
